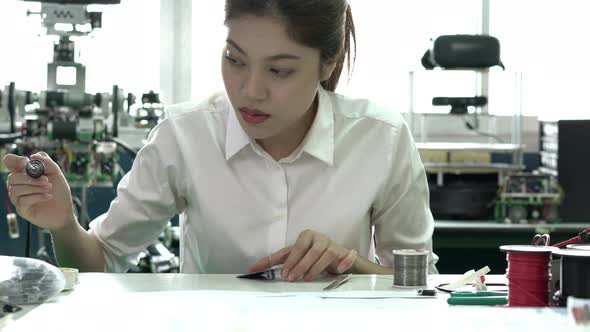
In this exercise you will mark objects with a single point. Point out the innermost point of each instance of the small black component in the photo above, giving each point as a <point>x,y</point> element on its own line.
<point>10,308</point>
<point>427,292</point>
<point>459,104</point>
<point>150,98</point>
<point>35,168</point>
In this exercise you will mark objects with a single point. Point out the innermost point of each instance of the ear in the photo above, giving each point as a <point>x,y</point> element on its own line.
<point>327,70</point>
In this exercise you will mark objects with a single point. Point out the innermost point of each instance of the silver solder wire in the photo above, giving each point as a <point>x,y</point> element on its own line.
<point>410,267</point>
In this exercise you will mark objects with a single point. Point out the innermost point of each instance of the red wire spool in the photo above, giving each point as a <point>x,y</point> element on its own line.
<point>529,275</point>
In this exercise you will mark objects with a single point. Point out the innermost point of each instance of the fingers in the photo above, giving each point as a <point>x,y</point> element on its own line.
<point>18,191</point>
<point>302,245</point>
<point>24,203</point>
<point>275,259</point>
<point>347,262</point>
<point>20,179</point>
<point>313,255</point>
<point>329,255</point>
<point>23,196</point>
<point>51,168</point>
<point>14,163</point>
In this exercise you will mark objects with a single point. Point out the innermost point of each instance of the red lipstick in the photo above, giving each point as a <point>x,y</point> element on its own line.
<point>253,116</point>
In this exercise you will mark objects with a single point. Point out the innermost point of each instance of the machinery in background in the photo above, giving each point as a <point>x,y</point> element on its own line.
<point>564,154</point>
<point>79,130</point>
<point>149,113</point>
<point>464,178</point>
<point>73,126</point>
<point>528,198</point>
<point>65,121</point>
<point>460,105</point>
<point>467,162</point>
<point>161,256</point>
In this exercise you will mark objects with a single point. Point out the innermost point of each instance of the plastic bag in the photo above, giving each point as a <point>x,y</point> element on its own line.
<point>28,281</point>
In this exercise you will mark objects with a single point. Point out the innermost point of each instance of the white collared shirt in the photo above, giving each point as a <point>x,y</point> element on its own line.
<point>357,177</point>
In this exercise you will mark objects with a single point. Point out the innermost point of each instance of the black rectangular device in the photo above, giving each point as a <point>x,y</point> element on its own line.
<point>565,153</point>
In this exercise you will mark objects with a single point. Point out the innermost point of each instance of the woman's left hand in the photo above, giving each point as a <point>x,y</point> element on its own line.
<point>311,254</point>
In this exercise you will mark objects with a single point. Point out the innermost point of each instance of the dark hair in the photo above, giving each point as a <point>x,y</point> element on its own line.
<point>325,25</point>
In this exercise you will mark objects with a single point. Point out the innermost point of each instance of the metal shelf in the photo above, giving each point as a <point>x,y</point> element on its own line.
<point>473,156</point>
<point>440,169</point>
<point>468,146</point>
<point>467,167</point>
<point>546,170</point>
<point>479,225</point>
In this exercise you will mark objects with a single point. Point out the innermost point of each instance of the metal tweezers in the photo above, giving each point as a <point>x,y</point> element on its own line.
<point>341,280</point>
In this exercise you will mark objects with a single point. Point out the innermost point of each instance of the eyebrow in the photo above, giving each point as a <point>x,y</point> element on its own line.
<point>276,57</point>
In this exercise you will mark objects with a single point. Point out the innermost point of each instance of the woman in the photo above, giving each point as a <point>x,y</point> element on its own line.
<point>278,169</point>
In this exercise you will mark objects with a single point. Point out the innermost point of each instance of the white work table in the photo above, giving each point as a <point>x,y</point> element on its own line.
<point>206,302</point>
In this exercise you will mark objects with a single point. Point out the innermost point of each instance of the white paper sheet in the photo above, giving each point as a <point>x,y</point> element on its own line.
<point>398,294</point>
<point>252,311</point>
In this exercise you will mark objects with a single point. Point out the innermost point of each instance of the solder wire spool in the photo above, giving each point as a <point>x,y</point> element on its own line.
<point>410,268</point>
<point>529,275</point>
<point>574,275</point>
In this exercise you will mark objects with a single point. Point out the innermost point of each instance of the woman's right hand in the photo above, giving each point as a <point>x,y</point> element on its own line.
<point>45,201</point>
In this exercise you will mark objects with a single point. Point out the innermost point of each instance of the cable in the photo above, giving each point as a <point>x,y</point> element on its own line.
<point>12,106</point>
<point>475,128</point>
<point>495,137</point>
<point>28,240</point>
<point>583,236</point>
<point>442,287</point>
<point>541,240</point>
<point>29,227</point>
<point>6,202</point>
<point>566,242</point>
<point>29,230</point>
<point>115,110</point>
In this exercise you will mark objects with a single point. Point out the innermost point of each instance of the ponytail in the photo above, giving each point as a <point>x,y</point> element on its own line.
<point>349,33</point>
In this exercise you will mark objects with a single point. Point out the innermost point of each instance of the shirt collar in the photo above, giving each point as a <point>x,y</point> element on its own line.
<point>235,137</point>
<point>319,141</point>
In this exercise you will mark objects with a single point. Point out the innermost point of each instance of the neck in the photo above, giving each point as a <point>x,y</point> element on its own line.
<point>283,144</point>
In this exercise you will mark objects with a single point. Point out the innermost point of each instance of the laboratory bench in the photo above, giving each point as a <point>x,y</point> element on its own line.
<point>209,302</point>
